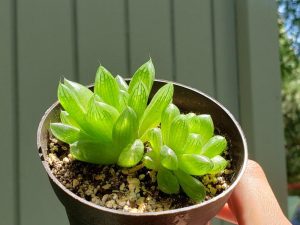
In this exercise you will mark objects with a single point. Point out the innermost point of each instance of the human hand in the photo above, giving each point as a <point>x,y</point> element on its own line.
<point>252,201</point>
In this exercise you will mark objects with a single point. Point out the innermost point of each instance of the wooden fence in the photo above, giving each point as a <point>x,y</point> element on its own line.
<point>228,49</point>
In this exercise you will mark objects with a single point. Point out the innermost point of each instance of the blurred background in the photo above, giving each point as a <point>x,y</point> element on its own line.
<point>289,43</point>
<point>244,53</point>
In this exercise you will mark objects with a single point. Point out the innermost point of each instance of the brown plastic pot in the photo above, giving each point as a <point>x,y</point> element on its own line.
<point>82,212</point>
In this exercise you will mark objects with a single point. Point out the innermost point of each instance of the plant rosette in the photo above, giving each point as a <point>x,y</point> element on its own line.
<point>140,151</point>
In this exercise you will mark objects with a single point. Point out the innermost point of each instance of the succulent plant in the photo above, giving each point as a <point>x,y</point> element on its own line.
<point>113,123</point>
<point>105,126</point>
<point>184,147</point>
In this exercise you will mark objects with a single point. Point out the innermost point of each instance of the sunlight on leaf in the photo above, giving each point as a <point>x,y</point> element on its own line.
<point>194,164</point>
<point>138,99</point>
<point>132,154</point>
<point>189,116</point>
<point>65,133</point>
<point>219,164</point>
<point>167,118</point>
<point>180,132</point>
<point>159,102</point>
<point>125,128</point>
<point>100,119</point>
<point>82,93</point>
<point>123,86</point>
<point>123,100</point>
<point>146,74</point>
<point>67,119</point>
<point>168,158</point>
<point>193,144</point>
<point>215,146</point>
<point>203,125</point>
<point>107,87</point>
<point>70,103</point>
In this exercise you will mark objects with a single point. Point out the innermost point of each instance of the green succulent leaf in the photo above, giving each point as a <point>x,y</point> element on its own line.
<point>123,86</point>
<point>193,144</point>
<point>138,99</point>
<point>107,87</point>
<point>154,137</point>
<point>189,116</point>
<point>203,125</point>
<point>215,146</point>
<point>82,93</point>
<point>67,119</point>
<point>152,158</point>
<point>168,158</point>
<point>125,128</point>
<point>65,133</point>
<point>146,74</point>
<point>191,186</point>
<point>70,103</point>
<point>100,119</point>
<point>167,181</point>
<point>152,115</point>
<point>180,132</point>
<point>150,161</point>
<point>131,154</point>
<point>219,164</point>
<point>94,152</point>
<point>167,118</point>
<point>194,164</point>
<point>123,100</point>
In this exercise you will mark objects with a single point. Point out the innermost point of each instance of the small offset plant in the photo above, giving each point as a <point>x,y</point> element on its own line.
<point>184,147</point>
<point>114,124</point>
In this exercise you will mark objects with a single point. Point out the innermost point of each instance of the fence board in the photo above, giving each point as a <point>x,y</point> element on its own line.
<point>101,37</point>
<point>150,35</point>
<point>194,44</point>
<point>259,77</point>
<point>193,29</point>
<point>225,55</point>
<point>225,60</point>
<point>8,168</point>
<point>45,53</point>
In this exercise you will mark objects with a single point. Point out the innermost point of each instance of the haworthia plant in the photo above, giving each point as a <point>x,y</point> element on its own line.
<point>188,148</point>
<point>105,126</point>
<point>112,124</point>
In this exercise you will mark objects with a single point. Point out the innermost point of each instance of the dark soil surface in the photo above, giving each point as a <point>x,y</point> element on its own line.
<point>130,190</point>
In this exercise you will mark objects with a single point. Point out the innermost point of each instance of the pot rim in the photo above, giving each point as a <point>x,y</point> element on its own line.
<point>166,212</point>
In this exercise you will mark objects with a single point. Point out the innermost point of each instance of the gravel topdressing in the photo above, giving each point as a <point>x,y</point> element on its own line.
<point>129,190</point>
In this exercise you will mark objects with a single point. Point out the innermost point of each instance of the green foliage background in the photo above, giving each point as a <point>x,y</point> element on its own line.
<point>290,73</point>
<point>289,11</point>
